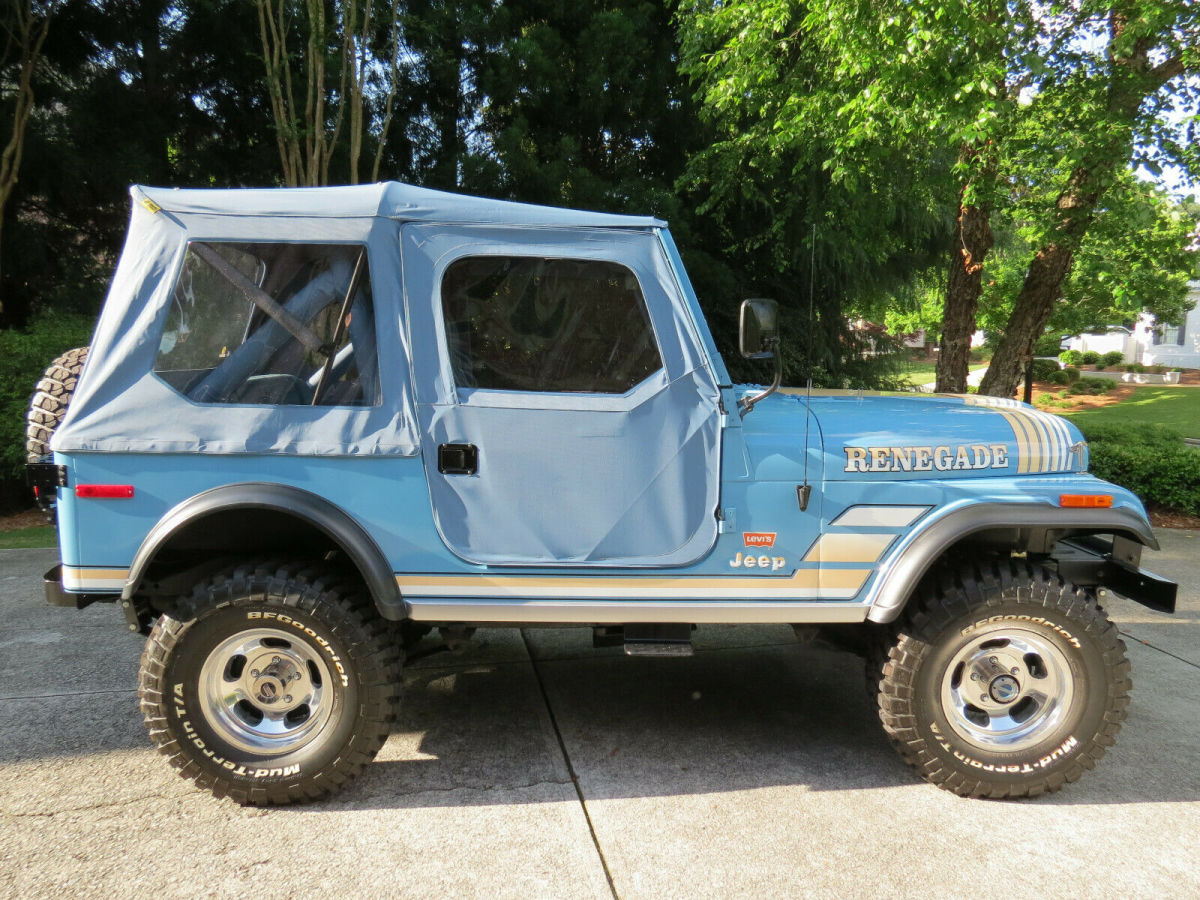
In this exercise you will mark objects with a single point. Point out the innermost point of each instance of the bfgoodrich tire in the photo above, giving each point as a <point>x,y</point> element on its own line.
<point>50,399</point>
<point>276,685</point>
<point>1003,681</point>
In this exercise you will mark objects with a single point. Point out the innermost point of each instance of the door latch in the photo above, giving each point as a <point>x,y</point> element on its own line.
<point>458,459</point>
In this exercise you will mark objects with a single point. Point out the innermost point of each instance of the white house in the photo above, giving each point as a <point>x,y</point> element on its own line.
<point>1152,344</point>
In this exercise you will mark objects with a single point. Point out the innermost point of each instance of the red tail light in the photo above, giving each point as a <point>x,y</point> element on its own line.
<point>104,491</point>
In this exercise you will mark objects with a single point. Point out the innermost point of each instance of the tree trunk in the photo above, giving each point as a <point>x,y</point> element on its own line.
<point>1030,315</point>
<point>973,240</point>
<point>30,35</point>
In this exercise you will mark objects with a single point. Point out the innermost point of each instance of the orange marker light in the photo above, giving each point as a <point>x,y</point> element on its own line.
<point>1085,501</point>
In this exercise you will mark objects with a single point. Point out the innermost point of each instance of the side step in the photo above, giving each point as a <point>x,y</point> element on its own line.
<point>663,639</point>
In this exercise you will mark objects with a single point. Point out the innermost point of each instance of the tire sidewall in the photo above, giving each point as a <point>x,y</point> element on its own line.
<point>1062,743</point>
<point>185,714</point>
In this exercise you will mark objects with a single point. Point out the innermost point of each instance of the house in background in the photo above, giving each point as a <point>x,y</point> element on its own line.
<point>1152,344</point>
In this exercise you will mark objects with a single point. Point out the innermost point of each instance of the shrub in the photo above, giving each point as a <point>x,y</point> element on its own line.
<point>1072,373</point>
<point>1092,386</point>
<point>1151,461</point>
<point>1043,369</point>
<point>1135,367</point>
<point>1059,377</point>
<point>1113,358</point>
<point>24,356</point>
<point>1071,357</point>
<point>1091,358</point>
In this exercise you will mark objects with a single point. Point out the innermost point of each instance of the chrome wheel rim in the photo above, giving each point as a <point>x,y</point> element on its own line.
<point>265,692</point>
<point>1007,690</point>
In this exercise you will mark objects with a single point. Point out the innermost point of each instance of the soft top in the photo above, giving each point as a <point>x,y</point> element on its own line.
<point>390,199</point>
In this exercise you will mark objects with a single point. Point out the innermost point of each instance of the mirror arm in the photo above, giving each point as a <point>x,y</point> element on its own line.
<point>748,403</point>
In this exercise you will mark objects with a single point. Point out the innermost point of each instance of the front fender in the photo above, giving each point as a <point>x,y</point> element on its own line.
<point>1046,525</point>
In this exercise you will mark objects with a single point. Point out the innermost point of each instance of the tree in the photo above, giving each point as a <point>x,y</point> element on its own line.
<point>1117,95</point>
<point>307,133</point>
<point>1032,100</point>
<point>854,225</point>
<point>25,29</point>
<point>1136,257</point>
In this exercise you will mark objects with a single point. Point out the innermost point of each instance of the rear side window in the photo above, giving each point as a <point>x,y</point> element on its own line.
<point>280,324</point>
<point>554,325</point>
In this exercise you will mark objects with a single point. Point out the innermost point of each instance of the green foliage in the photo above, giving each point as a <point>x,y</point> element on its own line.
<point>1072,373</point>
<point>1071,357</point>
<point>1059,376</point>
<point>1047,345</point>
<point>770,180</point>
<point>1151,461</point>
<point>1092,386</point>
<point>1090,358</point>
<point>1113,358</point>
<point>1044,368</point>
<point>24,356</point>
<point>1137,256</point>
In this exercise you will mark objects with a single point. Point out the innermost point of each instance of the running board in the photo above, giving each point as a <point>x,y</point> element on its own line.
<point>666,639</point>
<point>621,612</point>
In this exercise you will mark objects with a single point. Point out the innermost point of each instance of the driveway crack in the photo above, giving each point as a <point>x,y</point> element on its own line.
<point>562,746</point>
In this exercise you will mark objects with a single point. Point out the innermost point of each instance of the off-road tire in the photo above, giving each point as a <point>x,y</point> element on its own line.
<point>1068,665</point>
<point>50,400</point>
<point>305,623</point>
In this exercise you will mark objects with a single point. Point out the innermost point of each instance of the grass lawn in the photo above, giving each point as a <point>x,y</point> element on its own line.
<point>916,373</point>
<point>1177,408</point>
<point>22,538</point>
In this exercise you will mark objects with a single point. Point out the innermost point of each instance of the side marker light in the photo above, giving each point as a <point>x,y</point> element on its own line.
<point>1086,501</point>
<point>104,491</point>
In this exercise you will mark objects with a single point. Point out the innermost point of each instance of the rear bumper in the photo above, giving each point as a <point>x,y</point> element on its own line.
<point>57,595</point>
<point>1097,561</point>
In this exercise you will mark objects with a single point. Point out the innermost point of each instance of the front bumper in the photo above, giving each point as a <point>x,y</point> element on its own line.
<point>1095,561</point>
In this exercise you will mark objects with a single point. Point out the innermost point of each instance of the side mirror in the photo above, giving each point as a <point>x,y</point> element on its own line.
<point>758,335</point>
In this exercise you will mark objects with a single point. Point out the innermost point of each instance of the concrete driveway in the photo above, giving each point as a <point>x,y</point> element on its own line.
<point>535,766</point>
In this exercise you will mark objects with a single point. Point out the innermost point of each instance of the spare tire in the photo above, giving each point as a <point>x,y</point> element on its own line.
<point>50,401</point>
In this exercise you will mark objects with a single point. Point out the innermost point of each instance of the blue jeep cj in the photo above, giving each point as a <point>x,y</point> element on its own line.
<point>314,424</point>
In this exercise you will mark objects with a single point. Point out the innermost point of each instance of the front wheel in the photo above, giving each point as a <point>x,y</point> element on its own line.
<point>279,687</point>
<point>1003,681</point>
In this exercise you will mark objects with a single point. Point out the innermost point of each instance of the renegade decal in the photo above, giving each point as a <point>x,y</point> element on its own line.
<point>747,561</point>
<point>759,538</point>
<point>944,458</point>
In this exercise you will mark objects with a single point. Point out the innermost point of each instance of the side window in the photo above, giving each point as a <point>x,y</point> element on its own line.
<point>279,324</point>
<point>529,324</point>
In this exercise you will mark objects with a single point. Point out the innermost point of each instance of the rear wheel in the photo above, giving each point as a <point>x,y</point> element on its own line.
<point>277,686</point>
<point>1004,681</point>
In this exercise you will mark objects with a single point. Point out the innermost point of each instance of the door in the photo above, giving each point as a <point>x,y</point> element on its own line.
<point>567,413</point>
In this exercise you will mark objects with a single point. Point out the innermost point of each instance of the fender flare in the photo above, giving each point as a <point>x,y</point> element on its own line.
<point>921,550</point>
<point>316,511</point>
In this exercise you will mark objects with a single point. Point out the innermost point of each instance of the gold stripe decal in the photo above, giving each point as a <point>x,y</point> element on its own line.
<point>844,547</point>
<point>822,584</point>
<point>76,578</point>
<point>1043,440</point>
<point>879,516</point>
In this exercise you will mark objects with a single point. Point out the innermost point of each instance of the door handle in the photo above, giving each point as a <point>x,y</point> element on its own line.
<point>458,459</point>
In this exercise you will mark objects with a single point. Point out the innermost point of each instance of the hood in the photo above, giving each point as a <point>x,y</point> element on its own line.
<point>885,436</point>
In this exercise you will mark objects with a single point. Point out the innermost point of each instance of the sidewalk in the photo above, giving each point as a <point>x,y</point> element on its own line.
<point>535,766</point>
